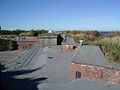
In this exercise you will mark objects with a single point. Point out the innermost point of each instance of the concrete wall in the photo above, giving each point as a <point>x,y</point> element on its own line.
<point>47,41</point>
<point>96,73</point>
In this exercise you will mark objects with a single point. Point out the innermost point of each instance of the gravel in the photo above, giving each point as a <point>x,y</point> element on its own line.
<point>8,57</point>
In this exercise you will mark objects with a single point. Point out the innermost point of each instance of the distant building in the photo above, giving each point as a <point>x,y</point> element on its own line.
<point>50,31</point>
<point>8,37</point>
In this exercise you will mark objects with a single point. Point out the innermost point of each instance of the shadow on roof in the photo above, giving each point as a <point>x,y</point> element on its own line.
<point>8,82</point>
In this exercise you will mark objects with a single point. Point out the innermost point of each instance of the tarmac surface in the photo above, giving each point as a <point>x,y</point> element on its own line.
<point>47,69</point>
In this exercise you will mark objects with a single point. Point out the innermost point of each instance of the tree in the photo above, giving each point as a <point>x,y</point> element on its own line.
<point>33,33</point>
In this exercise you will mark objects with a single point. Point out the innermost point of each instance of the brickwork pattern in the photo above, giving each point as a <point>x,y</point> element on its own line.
<point>27,38</point>
<point>96,73</point>
<point>25,45</point>
<point>67,48</point>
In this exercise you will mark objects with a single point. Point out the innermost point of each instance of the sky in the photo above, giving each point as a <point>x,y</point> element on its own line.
<point>102,15</point>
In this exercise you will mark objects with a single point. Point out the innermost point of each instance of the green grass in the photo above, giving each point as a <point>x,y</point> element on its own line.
<point>111,47</point>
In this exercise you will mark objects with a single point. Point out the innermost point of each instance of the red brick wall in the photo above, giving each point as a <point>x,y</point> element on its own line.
<point>31,38</point>
<point>67,48</point>
<point>96,73</point>
<point>27,38</point>
<point>25,45</point>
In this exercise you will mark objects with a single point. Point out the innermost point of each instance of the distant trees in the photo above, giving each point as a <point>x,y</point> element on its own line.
<point>95,33</point>
<point>42,31</point>
<point>14,32</point>
<point>33,33</point>
<point>23,32</point>
<point>83,35</point>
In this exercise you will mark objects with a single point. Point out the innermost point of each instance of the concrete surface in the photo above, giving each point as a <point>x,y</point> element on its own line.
<point>91,55</point>
<point>48,69</point>
<point>81,84</point>
<point>9,57</point>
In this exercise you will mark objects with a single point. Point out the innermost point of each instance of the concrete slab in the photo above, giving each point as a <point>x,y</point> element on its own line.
<point>91,55</point>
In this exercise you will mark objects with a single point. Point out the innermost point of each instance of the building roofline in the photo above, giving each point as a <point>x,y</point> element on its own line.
<point>26,40</point>
<point>47,36</point>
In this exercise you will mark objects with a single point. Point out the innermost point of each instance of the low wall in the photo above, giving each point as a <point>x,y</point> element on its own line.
<point>96,73</point>
<point>48,41</point>
<point>25,45</point>
<point>67,48</point>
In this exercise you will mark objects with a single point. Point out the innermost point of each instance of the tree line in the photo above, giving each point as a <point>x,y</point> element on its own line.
<point>23,32</point>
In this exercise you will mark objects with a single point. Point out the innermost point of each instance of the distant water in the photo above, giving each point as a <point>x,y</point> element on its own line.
<point>105,32</point>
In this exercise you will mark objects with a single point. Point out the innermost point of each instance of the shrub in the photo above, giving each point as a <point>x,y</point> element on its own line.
<point>111,47</point>
<point>7,45</point>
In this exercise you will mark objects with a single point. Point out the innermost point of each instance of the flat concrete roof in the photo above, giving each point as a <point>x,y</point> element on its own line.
<point>49,69</point>
<point>91,55</point>
<point>81,84</point>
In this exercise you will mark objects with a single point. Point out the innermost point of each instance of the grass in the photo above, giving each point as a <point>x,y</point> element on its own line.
<point>110,46</point>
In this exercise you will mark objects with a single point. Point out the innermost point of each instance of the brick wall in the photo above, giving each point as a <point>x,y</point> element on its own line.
<point>96,73</point>
<point>67,48</point>
<point>27,38</point>
<point>25,45</point>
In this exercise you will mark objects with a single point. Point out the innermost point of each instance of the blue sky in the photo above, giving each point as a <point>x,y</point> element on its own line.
<point>60,14</point>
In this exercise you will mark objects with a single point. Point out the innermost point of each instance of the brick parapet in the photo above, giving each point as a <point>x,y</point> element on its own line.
<point>67,48</point>
<point>96,73</point>
<point>25,45</point>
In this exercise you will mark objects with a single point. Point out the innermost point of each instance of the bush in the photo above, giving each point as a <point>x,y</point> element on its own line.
<point>8,45</point>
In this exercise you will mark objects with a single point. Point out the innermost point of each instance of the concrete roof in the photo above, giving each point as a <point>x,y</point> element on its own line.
<point>81,84</point>
<point>91,55</point>
<point>49,69</point>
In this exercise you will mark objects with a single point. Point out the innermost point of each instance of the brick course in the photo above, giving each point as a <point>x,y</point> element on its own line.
<point>67,48</point>
<point>25,45</point>
<point>96,73</point>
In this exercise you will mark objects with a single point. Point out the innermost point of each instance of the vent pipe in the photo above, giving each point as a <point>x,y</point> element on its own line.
<point>81,42</point>
<point>80,45</point>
